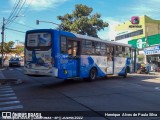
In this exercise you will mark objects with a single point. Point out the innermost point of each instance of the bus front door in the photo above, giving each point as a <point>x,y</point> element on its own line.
<point>110,63</point>
<point>73,54</point>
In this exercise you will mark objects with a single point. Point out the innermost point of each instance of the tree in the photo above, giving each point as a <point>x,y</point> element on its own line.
<point>7,47</point>
<point>19,49</point>
<point>82,22</point>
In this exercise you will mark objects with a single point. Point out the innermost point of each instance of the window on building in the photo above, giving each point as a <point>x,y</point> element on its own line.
<point>132,34</point>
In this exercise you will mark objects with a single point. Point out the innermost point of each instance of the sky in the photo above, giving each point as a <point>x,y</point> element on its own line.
<point>113,12</point>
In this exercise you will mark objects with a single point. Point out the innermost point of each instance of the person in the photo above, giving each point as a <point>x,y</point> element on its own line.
<point>148,67</point>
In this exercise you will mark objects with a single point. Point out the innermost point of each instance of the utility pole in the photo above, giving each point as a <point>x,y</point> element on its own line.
<point>3,26</point>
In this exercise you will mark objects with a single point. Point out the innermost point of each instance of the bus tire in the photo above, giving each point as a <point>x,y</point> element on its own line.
<point>125,75</point>
<point>92,74</point>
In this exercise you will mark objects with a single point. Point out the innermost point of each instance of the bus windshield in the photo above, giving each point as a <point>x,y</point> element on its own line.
<point>38,40</point>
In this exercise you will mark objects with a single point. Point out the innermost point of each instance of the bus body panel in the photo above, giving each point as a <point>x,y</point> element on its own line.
<point>38,60</point>
<point>119,64</point>
<point>67,68</point>
<point>64,66</point>
<point>88,62</point>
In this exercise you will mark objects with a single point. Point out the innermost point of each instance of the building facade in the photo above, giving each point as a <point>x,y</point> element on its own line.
<point>141,32</point>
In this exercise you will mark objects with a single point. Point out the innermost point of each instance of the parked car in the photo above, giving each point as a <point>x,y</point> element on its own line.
<point>14,62</point>
<point>21,59</point>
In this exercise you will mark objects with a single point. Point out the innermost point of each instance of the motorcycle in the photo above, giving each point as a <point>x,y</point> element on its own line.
<point>143,70</point>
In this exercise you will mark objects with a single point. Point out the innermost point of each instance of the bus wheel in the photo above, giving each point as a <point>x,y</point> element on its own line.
<point>92,74</point>
<point>125,75</point>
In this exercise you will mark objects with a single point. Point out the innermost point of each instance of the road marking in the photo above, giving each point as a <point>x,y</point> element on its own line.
<point>2,89</point>
<point>10,102</point>
<point>11,107</point>
<point>10,69</point>
<point>157,88</point>
<point>8,91</point>
<point>8,99</point>
<point>10,94</point>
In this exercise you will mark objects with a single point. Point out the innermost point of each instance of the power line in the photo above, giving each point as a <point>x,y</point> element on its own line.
<point>23,25</point>
<point>13,12</point>
<point>14,6</point>
<point>18,11</point>
<point>15,30</point>
<point>25,11</point>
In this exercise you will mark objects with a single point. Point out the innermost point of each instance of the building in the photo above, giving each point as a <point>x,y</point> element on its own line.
<point>141,32</point>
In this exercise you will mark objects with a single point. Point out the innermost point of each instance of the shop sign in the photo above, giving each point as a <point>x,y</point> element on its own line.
<point>138,43</point>
<point>135,26</point>
<point>152,50</point>
<point>135,20</point>
<point>141,43</point>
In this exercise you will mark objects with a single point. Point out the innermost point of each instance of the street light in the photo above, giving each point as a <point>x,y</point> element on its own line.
<point>38,21</point>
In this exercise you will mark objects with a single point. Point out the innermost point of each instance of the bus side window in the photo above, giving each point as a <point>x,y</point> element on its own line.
<point>72,48</point>
<point>124,52</point>
<point>75,49</point>
<point>118,51</point>
<point>98,48</point>
<point>83,47</point>
<point>63,46</point>
<point>128,52</point>
<point>89,47</point>
<point>103,49</point>
<point>69,48</point>
<point>109,53</point>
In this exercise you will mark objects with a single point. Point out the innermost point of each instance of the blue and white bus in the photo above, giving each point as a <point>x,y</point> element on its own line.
<point>68,55</point>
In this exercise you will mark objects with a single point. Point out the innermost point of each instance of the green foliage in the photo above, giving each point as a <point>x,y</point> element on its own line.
<point>82,22</point>
<point>7,47</point>
<point>19,49</point>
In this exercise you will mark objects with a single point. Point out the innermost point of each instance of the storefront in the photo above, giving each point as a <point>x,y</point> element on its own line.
<point>153,57</point>
<point>144,34</point>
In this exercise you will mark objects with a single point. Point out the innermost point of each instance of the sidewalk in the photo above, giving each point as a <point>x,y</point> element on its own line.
<point>1,74</point>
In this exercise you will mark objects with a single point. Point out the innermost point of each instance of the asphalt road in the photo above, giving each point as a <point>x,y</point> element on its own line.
<point>42,93</point>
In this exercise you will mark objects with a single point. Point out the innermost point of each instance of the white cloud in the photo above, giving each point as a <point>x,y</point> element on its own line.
<point>145,7</point>
<point>22,22</point>
<point>109,33</point>
<point>39,5</point>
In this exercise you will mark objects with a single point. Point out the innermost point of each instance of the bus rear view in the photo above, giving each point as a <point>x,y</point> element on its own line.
<point>37,52</point>
<point>68,55</point>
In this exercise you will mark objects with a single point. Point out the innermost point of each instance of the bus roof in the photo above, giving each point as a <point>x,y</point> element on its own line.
<point>100,40</point>
<point>81,36</point>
